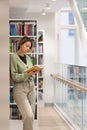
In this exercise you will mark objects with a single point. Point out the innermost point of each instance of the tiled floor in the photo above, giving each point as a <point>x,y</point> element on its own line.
<point>48,120</point>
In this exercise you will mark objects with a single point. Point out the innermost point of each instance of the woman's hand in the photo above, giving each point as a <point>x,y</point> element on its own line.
<point>32,73</point>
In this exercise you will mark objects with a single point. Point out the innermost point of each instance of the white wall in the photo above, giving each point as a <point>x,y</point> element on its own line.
<point>46,23</point>
<point>4,63</point>
<point>50,51</point>
<point>67,47</point>
<point>82,56</point>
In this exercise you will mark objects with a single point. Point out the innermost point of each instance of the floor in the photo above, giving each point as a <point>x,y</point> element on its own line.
<point>48,120</point>
<point>17,125</point>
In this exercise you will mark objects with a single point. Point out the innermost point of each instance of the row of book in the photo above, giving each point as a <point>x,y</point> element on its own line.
<point>40,48</point>
<point>11,82</point>
<point>15,114</point>
<point>33,59</point>
<point>75,70</point>
<point>11,96</point>
<point>77,73</point>
<point>40,38</point>
<point>14,43</point>
<point>23,28</point>
<point>40,83</point>
<point>40,94</point>
<point>40,59</point>
<point>40,73</point>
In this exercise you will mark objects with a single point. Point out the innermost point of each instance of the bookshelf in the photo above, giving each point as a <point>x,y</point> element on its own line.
<point>17,29</point>
<point>41,63</point>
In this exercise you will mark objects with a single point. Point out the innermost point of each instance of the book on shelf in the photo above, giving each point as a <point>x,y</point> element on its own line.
<point>14,113</point>
<point>35,68</point>
<point>22,28</point>
<point>40,39</point>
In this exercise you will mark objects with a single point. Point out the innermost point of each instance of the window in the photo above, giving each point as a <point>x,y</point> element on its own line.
<point>67,37</point>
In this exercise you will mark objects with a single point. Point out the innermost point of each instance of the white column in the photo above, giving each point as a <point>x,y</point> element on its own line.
<point>77,45</point>
<point>4,65</point>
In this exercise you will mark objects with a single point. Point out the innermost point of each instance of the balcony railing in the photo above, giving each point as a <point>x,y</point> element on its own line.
<point>70,95</point>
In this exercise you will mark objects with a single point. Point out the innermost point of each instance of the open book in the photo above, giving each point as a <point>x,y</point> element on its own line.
<point>35,68</point>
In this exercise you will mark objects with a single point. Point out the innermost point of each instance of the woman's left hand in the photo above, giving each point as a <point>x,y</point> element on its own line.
<point>32,73</point>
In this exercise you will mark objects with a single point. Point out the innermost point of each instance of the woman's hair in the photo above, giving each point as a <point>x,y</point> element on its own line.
<point>24,40</point>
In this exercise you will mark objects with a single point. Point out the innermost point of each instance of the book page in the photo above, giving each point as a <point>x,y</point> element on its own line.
<point>35,68</point>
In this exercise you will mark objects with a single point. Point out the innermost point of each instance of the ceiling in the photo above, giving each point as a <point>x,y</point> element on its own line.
<point>37,6</point>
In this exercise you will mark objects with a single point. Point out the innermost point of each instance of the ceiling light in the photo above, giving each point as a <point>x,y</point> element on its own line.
<point>53,0</point>
<point>47,6</point>
<point>43,12</point>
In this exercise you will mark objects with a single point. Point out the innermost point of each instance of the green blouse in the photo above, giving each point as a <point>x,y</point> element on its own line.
<point>18,68</point>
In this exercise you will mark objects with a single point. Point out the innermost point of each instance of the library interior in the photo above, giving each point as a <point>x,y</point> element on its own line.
<point>58,31</point>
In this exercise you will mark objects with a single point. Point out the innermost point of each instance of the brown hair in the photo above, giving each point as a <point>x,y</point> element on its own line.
<point>23,40</point>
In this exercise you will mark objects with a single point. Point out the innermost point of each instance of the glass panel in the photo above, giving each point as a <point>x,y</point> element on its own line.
<point>85,111</point>
<point>71,100</point>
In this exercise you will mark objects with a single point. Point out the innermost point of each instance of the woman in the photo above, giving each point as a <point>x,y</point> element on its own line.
<point>23,90</point>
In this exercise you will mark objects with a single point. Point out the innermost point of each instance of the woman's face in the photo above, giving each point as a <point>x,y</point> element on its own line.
<point>25,48</point>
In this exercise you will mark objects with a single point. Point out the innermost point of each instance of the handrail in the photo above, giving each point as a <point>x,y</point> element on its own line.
<point>69,82</point>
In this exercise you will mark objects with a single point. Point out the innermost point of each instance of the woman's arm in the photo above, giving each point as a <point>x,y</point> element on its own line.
<point>16,76</point>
